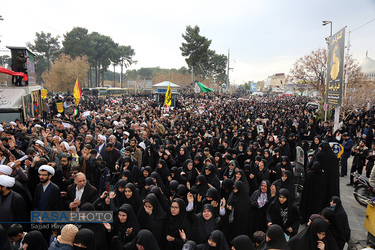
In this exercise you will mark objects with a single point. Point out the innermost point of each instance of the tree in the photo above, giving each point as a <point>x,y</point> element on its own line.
<point>104,49</point>
<point>146,73</point>
<point>216,66</point>
<point>46,46</point>
<point>195,48</point>
<point>64,72</point>
<point>310,70</point>
<point>172,76</point>
<point>77,42</point>
<point>126,54</point>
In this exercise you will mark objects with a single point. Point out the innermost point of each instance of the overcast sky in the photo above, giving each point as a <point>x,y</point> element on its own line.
<point>264,36</point>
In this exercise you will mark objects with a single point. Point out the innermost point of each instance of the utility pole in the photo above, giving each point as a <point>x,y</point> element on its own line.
<point>346,73</point>
<point>326,80</point>
<point>228,68</point>
<point>192,73</point>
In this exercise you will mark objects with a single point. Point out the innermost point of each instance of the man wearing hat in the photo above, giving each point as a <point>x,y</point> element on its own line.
<point>12,205</point>
<point>47,194</point>
<point>347,144</point>
<point>66,239</point>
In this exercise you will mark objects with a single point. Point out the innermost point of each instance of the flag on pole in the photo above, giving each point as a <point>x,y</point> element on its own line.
<point>204,88</point>
<point>77,91</point>
<point>168,96</point>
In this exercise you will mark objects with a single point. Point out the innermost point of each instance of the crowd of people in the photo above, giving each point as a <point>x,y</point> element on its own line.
<point>214,172</point>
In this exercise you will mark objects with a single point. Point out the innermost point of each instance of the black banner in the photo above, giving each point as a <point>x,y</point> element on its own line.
<point>335,68</point>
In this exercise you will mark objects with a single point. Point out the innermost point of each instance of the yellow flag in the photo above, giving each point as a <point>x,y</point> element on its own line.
<point>168,96</point>
<point>77,90</point>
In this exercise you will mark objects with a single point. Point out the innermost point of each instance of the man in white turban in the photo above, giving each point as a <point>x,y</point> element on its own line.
<point>12,205</point>
<point>47,194</point>
<point>6,170</point>
<point>101,145</point>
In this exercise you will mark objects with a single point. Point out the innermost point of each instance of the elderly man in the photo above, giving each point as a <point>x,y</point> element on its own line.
<point>113,140</point>
<point>80,193</point>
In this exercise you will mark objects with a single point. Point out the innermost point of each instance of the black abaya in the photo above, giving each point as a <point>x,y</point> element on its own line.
<point>330,167</point>
<point>314,193</point>
<point>240,215</point>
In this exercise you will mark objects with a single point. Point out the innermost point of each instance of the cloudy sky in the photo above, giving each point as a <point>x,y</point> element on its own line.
<point>264,36</point>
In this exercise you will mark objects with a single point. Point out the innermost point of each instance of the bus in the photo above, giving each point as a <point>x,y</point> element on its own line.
<point>102,92</point>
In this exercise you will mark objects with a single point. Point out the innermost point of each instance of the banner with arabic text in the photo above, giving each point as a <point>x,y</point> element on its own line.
<point>335,68</point>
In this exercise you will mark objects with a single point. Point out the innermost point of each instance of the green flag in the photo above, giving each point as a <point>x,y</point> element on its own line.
<point>204,88</point>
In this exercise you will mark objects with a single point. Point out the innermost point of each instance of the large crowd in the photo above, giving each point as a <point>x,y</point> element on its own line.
<point>214,172</point>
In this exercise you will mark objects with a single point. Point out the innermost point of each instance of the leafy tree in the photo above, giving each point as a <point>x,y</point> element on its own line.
<point>216,66</point>
<point>175,77</point>
<point>77,42</point>
<point>195,47</point>
<point>64,72</point>
<point>46,46</point>
<point>146,73</point>
<point>41,66</point>
<point>104,50</point>
<point>310,70</point>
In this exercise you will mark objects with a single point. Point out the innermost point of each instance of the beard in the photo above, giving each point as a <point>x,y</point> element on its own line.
<point>44,180</point>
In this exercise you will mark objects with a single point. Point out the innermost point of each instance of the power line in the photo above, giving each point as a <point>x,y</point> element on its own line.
<point>363,25</point>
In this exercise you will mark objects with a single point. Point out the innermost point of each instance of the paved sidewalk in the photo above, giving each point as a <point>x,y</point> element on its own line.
<point>356,214</point>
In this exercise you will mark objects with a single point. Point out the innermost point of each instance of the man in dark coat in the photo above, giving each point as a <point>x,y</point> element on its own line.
<point>47,194</point>
<point>347,144</point>
<point>88,164</point>
<point>80,193</point>
<point>12,205</point>
<point>371,160</point>
<point>111,155</point>
<point>360,153</point>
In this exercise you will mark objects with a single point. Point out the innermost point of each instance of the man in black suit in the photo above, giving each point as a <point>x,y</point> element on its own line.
<point>88,164</point>
<point>80,193</point>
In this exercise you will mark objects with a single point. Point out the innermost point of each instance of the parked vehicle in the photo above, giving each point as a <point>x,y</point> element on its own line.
<point>363,191</point>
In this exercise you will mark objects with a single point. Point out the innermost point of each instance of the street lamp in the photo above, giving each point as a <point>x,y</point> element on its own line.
<point>328,22</point>
<point>324,23</point>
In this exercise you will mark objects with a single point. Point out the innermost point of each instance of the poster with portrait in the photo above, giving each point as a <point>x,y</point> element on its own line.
<point>27,104</point>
